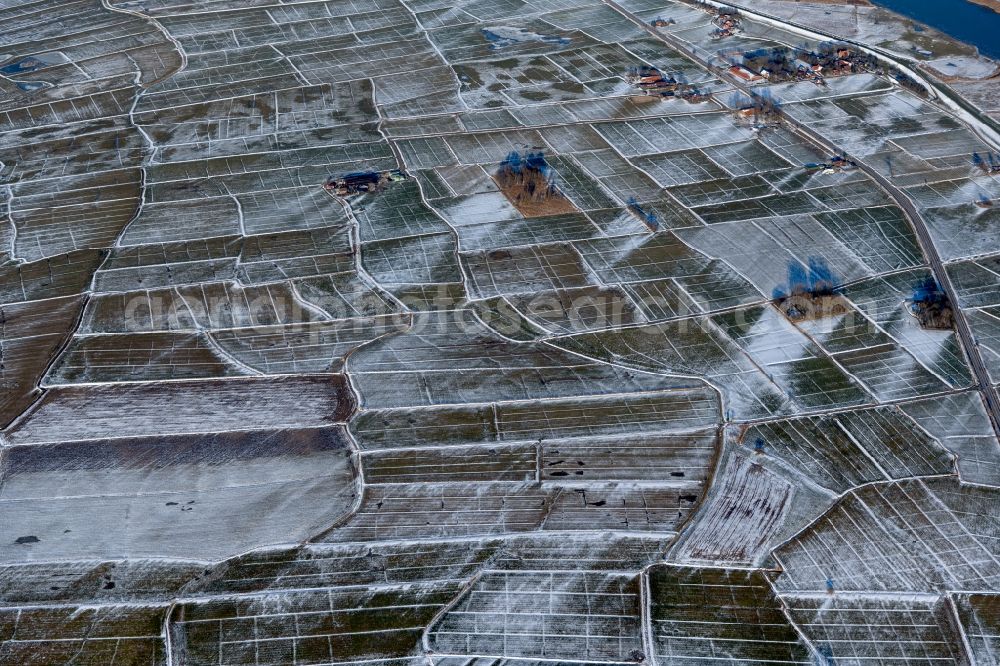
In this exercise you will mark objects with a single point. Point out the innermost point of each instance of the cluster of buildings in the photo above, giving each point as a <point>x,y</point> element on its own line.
<point>762,110</point>
<point>785,64</point>
<point>836,164</point>
<point>727,23</point>
<point>652,81</point>
<point>745,74</point>
<point>360,182</point>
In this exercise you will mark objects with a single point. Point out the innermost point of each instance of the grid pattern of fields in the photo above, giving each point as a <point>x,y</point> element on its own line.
<point>399,332</point>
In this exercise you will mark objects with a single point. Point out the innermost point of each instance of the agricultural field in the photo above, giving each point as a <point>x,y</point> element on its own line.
<point>402,332</point>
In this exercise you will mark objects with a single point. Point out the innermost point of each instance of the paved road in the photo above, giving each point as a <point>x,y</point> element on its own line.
<point>972,352</point>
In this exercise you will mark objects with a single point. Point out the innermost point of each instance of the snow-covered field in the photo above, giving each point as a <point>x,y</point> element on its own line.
<point>592,375</point>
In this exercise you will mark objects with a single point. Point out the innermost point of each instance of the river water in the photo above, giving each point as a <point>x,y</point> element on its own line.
<point>963,20</point>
